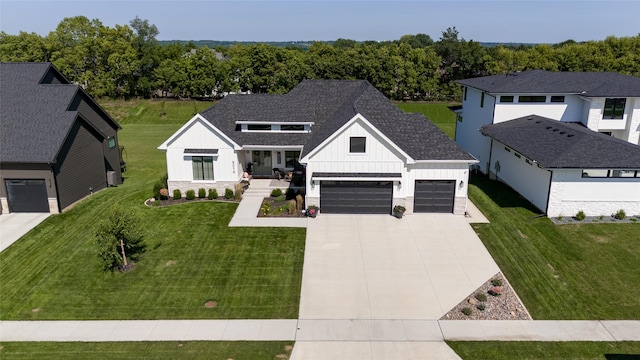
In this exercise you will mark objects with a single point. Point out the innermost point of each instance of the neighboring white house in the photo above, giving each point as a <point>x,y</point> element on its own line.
<point>500,123</point>
<point>360,152</point>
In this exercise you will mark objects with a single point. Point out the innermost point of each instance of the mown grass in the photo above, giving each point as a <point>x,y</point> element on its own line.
<point>438,113</point>
<point>521,350</point>
<point>54,272</point>
<point>154,111</point>
<point>223,350</point>
<point>585,271</point>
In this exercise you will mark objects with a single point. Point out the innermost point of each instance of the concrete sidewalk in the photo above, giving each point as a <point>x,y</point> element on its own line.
<point>247,212</point>
<point>14,225</point>
<point>301,331</point>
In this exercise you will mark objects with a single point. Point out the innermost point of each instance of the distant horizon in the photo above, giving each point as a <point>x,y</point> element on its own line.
<point>498,21</point>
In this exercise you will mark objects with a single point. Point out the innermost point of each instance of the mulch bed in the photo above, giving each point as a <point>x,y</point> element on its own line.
<point>274,206</point>
<point>502,307</point>
<point>604,219</point>
<point>153,202</point>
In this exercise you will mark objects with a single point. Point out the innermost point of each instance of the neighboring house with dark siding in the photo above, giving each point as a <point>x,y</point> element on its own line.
<point>57,145</point>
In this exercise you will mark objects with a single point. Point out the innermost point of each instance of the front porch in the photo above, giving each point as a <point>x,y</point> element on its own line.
<point>277,163</point>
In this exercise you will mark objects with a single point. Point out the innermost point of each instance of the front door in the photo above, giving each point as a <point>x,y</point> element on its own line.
<point>262,163</point>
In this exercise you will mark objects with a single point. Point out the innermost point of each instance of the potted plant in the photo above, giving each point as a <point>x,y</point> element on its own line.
<point>312,211</point>
<point>398,211</point>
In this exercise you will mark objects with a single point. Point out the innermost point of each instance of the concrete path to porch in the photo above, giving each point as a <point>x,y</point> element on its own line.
<point>247,211</point>
<point>14,225</point>
<point>379,267</point>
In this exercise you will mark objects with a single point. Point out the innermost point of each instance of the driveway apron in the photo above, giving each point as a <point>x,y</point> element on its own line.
<point>379,267</point>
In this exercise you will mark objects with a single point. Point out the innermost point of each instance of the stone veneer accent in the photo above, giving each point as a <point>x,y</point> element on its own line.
<point>53,205</point>
<point>183,186</point>
<point>459,205</point>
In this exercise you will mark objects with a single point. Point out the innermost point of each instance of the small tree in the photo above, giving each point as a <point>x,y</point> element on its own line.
<point>119,239</point>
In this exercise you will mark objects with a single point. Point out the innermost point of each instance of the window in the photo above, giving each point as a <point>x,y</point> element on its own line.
<point>507,149</point>
<point>600,173</point>
<point>482,100</point>
<point>465,93</point>
<point>357,144</point>
<point>112,142</point>
<point>597,173</point>
<point>623,173</point>
<point>557,99</point>
<point>532,99</point>
<point>291,127</point>
<point>202,167</point>
<point>506,99</point>
<point>291,158</point>
<point>259,127</point>
<point>614,108</point>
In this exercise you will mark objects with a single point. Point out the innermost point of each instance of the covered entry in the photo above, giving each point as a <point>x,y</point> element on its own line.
<point>356,197</point>
<point>27,195</point>
<point>434,196</point>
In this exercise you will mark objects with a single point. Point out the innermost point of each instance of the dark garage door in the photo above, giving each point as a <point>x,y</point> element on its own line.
<point>434,196</point>
<point>356,197</point>
<point>27,195</point>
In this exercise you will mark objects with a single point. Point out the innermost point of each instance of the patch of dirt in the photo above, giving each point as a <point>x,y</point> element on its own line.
<point>170,262</point>
<point>35,310</point>
<point>276,208</point>
<point>288,348</point>
<point>210,304</point>
<point>126,268</point>
<point>502,307</point>
<point>521,234</point>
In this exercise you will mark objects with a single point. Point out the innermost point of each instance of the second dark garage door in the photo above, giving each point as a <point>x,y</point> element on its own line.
<point>27,195</point>
<point>356,197</point>
<point>435,196</point>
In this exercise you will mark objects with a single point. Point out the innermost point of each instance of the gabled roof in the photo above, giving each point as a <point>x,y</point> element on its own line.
<point>34,112</point>
<point>329,104</point>
<point>589,84</point>
<point>556,144</point>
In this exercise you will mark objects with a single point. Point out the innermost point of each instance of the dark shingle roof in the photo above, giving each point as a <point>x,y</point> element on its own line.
<point>555,144</point>
<point>590,84</point>
<point>34,120</point>
<point>329,104</point>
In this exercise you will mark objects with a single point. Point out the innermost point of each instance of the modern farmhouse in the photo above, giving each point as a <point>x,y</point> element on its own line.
<point>354,150</point>
<point>57,145</point>
<point>567,142</point>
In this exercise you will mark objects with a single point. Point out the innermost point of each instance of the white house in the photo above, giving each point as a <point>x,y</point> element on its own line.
<point>359,153</point>
<point>526,128</point>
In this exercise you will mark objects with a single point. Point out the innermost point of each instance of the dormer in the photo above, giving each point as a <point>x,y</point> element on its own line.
<point>274,126</point>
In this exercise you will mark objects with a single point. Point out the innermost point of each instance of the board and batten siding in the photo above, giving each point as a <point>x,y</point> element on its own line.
<point>80,166</point>
<point>570,193</point>
<point>527,179</point>
<point>93,114</point>
<point>200,135</point>
<point>569,110</point>
<point>473,118</point>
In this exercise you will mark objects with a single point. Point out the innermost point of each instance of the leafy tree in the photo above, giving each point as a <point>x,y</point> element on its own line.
<point>148,51</point>
<point>119,238</point>
<point>24,47</point>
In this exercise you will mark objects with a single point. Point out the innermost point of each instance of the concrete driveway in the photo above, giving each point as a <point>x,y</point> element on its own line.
<point>380,267</point>
<point>14,225</point>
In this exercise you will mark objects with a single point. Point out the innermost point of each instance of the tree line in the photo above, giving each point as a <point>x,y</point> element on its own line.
<point>127,61</point>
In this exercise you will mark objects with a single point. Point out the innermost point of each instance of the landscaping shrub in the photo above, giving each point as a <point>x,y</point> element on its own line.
<point>580,215</point>
<point>228,194</point>
<point>280,198</point>
<point>481,306</point>
<point>481,297</point>
<point>177,194</point>
<point>238,191</point>
<point>293,206</point>
<point>276,192</point>
<point>299,202</point>
<point>620,215</point>
<point>202,193</point>
<point>191,194</point>
<point>213,194</point>
<point>496,282</point>
<point>265,209</point>
<point>290,194</point>
<point>156,190</point>
<point>467,311</point>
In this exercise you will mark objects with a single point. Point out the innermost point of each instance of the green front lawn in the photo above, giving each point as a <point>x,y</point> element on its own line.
<point>193,257</point>
<point>585,271</point>
<point>223,350</point>
<point>508,350</point>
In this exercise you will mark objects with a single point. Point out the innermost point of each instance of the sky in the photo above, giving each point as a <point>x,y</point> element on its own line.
<point>542,21</point>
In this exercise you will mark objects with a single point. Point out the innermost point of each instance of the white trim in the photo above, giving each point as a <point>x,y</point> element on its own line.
<point>313,178</point>
<point>271,147</point>
<point>181,131</point>
<point>447,161</point>
<point>336,133</point>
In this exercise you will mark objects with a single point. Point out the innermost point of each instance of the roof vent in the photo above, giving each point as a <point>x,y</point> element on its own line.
<point>530,118</point>
<point>538,122</point>
<point>548,127</point>
<point>554,130</point>
<point>562,132</point>
<point>570,135</point>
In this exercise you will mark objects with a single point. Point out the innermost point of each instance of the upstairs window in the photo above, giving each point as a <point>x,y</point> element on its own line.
<point>259,127</point>
<point>202,167</point>
<point>357,144</point>
<point>532,99</point>
<point>614,108</point>
<point>506,99</point>
<point>111,142</point>
<point>291,127</point>
<point>557,99</point>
